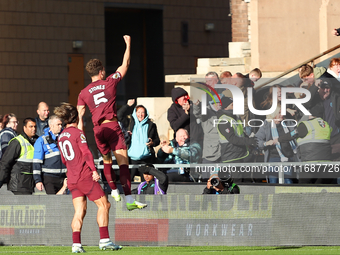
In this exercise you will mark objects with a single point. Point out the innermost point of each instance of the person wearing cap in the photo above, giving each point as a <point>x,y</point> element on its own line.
<point>234,144</point>
<point>216,185</point>
<point>180,115</point>
<point>156,182</point>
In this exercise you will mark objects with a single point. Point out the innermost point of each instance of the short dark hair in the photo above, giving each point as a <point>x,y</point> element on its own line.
<point>26,120</point>
<point>94,66</point>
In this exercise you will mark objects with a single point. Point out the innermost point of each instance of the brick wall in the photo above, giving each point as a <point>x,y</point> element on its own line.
<point>239,18</point>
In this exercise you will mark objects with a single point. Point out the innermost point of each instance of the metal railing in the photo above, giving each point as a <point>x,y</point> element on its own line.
<point>297,66</point>
<point>257,168</point>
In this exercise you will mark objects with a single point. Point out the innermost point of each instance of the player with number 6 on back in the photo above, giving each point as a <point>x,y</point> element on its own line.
<point>100,97</point>
<point>82,179</point>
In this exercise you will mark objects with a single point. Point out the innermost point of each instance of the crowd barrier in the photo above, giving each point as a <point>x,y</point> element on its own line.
<point>259,216</point>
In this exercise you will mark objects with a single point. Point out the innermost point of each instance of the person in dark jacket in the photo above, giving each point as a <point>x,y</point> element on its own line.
<point>156,182</point>
<point>180,115</point>
<point>143,138</point>
<point>234,143</point>
<point>16,164</point>
<point>217,186</point>
<point>10,124</point>
<point>42,119</point>
<point>325,100</point>
<point>332,74</point>
<point>49,171</point>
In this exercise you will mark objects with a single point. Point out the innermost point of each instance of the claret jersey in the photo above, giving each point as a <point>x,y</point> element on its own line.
<point>100,97</point>
<point>75,154</point>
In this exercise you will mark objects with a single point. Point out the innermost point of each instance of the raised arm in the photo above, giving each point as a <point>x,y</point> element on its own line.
<point>126,59</point>
<point>81,113</point>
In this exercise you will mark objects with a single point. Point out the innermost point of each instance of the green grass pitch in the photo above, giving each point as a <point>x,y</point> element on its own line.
<point>204,250</point>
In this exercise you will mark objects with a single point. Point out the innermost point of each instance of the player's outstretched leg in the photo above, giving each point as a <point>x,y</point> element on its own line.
<point>125,180</point>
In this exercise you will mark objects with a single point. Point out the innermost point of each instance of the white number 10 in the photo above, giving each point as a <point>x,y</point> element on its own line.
<point>63,148</point>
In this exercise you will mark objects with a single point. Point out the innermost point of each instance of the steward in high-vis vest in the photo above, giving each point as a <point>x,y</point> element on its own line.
<point>16,164</point>
<point>234,145</point>
<point>313,140</point>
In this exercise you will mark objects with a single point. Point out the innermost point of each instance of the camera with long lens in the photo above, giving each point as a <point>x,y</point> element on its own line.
<point>215,181</point>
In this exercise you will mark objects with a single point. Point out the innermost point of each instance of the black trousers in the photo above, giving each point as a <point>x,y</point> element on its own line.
<point>53,184</point>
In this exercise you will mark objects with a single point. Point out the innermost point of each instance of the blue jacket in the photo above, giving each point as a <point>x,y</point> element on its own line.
<point>138,149</point>
<point>47,157</point>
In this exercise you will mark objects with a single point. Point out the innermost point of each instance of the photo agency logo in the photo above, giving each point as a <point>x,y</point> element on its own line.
<point>238,100</point>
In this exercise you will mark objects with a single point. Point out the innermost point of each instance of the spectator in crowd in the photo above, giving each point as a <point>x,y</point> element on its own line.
<point>268,102</point>
<point>82,179</point>
<point>326,102</point>
<point>332,74</point>
<point>179,111</point>
<point>100,97</point>
<point>313,141</point>
<point>10,124</point>
<point>211,79</point>
<point>215,185</point>
<point>239,81</point>
<point>234,144</point>
<point>180,115</point>
<point>144,137</point>
<point>42,119</point>
<point>225,77</point>
<point>179,151</point>
<point>124,114</point>
<point>211,150</point>
<point>49,171</point>
<point>254,75</point>
<point>267,137</point>
<point>156,182</point>
<point>16,164</point>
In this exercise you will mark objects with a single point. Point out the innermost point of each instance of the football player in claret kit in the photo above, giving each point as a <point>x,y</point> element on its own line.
<point>100,97</point>
<point>82,179</point>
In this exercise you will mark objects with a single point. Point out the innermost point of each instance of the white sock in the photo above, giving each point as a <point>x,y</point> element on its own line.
<point>129,199</point>
<point>77,244</point>
<point>104,240</point>
<point>114,192</point>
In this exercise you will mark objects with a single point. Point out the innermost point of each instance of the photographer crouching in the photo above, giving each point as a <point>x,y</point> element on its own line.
<point>216,185</point>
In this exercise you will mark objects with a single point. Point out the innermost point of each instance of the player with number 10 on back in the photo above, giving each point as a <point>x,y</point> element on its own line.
<point>100,97</point>
<point>82,179</point>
